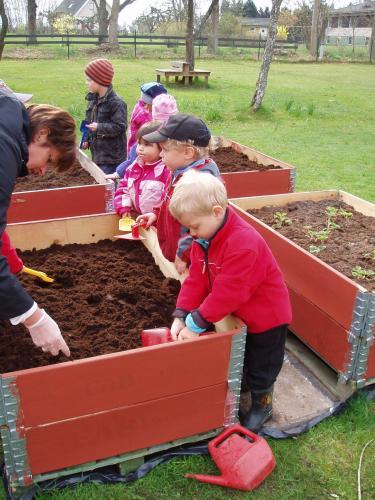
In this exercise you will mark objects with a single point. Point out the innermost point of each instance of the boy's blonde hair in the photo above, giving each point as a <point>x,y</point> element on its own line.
<point>200,151</point>
<point>197,193</point>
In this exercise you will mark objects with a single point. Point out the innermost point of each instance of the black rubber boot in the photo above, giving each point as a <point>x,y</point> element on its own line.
<point>260,411</point>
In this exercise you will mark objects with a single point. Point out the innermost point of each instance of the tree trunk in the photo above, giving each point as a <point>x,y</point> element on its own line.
<point>371,45</point>
<point>261,85</point>
<point>31,20</point>
<point>4,27</point>
<point>103,21</point>
<point>113,25</point>
<point>189,53</point>
<point>314,30</point>
<point>212,42</point>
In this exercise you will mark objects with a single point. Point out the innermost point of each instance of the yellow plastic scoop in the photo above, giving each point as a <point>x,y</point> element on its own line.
<point>126,223</point>
<point>39,274</point>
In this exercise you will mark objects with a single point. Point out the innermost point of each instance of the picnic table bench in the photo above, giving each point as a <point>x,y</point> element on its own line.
<point>181,69</point>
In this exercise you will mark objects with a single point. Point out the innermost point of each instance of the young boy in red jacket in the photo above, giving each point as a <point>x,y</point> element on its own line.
<point>232,272</point>
<point>184,143</point>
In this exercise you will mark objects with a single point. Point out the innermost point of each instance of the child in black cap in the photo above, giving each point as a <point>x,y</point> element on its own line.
<point>184,143</point>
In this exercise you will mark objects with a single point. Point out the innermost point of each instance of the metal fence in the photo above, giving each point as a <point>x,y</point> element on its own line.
<point>136,40</point>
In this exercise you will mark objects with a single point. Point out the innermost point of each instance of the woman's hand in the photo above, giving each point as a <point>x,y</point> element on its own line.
<point>186,334</point>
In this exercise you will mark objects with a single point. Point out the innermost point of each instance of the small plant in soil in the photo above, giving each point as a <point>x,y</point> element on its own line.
<point>316,249</point>
<point>333,212</point>
<point>321,235</point>
<point>280,219</point>
<point>362,274</point>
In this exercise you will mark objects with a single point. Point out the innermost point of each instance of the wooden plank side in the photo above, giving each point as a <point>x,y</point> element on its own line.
<point>362,206</point>
<point>330,290</point>
<point>255,183</point>
<point>327,338</point>
<point>87,229</point>
<point>57,203</point>
<point>83,387</point>
<point>279,200</point>
<point>126,429</point>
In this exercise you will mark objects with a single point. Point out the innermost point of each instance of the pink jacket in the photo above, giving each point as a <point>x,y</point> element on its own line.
<point>139,116</point>
<point>141,188</point>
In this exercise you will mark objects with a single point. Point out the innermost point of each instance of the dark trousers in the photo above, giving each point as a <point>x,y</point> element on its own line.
<point>108,169</point>
<point>264,355</point>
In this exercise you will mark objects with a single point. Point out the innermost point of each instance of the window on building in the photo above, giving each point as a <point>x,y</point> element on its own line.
<point>350,40</point>
<point>363,22</point>
<point>334,22</point>
<point>345,22</point>
<point>367,40</point>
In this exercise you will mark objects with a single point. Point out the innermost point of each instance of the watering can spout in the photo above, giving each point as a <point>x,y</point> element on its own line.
<point>204,478</point>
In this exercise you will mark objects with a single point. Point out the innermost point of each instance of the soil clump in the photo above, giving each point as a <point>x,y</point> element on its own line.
<point>348,246</point>
<point>53,179</point>
<point>104,294</point>
<point>229,160</point>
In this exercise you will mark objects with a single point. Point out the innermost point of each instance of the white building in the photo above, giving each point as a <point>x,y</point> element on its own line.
<point>351,24</point>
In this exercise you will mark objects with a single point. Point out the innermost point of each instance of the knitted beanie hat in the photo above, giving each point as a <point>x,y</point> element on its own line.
<point>163,106</point>
<point>150,90</point>
<point>101,71</point>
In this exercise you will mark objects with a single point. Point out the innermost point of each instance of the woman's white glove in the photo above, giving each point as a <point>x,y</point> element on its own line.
<point>177,325</point>
<point>46,334</point>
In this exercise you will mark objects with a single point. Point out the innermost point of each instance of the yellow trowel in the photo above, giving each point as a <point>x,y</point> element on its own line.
<point>39,274</point>
<point>125,224</point>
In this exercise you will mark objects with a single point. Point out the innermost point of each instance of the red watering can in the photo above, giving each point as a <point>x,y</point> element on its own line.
<point>155,336</point>
<point>243,458</point>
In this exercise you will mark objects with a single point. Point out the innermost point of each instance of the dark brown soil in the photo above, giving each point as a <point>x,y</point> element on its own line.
<point>229,160</point>
<point>350,245</point>
<point>104,294</point>
<point>53,179</point>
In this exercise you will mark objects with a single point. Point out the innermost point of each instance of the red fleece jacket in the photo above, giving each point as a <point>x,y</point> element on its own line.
<point>237,275</point>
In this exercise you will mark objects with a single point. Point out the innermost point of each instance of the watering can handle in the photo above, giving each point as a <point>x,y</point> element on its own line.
<point>233,429</point>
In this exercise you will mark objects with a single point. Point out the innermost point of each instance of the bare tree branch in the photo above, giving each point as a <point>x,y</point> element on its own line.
<point>125,4</point>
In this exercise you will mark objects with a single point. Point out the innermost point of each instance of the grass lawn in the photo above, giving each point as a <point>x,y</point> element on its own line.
<point>319,118</point>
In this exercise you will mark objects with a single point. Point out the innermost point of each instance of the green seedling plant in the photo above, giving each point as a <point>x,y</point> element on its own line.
<point>316,249</point>
<point>280,219</point>
<point>321,235</point>
<point>362,274</point>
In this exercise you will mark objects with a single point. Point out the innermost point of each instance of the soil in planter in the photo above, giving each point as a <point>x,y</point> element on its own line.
<point>229,160</point>
<point>53,179</point>
<point>104,294</point>
<point>350,245</point>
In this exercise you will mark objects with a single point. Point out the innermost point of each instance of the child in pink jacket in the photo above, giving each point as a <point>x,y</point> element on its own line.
<point>145,179</point>
<point>142,110</point>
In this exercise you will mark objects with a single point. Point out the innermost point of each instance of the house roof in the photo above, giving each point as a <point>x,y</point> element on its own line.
<point>70,6</point>
<point>358,8</point>
<point>255,21</point>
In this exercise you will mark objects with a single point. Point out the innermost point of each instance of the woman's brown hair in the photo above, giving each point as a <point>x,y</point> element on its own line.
<point>61,132</point>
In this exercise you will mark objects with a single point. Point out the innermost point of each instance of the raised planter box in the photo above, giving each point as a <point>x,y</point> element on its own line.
<point>63,202</point>
<point>256,183</point>
<point>81,415</point>
<point>332,314</point>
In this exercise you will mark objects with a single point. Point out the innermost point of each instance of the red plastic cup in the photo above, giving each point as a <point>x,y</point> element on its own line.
<point>155,336</point>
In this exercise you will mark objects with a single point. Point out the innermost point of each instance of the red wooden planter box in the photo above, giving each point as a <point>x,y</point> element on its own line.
<point>47,204</point>
<point>84,414</point>
<point>256,182</point>
<point>331,313</point>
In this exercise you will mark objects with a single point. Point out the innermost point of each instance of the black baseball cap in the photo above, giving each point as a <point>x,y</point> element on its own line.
<point>181,127</point>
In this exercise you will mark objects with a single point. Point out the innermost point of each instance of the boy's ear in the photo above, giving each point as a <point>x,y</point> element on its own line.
<point>217,211</point>
<point>190,152</point>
